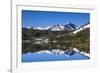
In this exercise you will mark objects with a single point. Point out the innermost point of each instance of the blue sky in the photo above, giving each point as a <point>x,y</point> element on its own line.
<point>47,18</point>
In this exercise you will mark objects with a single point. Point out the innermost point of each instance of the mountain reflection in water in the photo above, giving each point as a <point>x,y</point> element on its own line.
<point>54,55</point>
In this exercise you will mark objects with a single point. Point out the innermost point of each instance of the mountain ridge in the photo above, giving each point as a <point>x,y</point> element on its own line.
<point>67,27</point>
<point>57,27</point>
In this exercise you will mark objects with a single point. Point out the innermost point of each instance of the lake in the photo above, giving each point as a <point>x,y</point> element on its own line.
<point>43,57</point>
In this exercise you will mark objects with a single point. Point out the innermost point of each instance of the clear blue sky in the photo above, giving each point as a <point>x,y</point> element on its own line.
<point>47,18</point>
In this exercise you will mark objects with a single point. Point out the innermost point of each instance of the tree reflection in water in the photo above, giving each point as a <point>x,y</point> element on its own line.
<point>55,49</point>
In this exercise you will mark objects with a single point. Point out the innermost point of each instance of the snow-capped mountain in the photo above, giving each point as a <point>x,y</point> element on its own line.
<point>68,27</point>
<point>39,28</point>
<point>57,27</point>
<point>82,28</point>
<point>42,28</point>
<point>47,28</point>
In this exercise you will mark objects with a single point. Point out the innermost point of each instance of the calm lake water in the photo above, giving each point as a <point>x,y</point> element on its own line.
<point>40,57</point>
